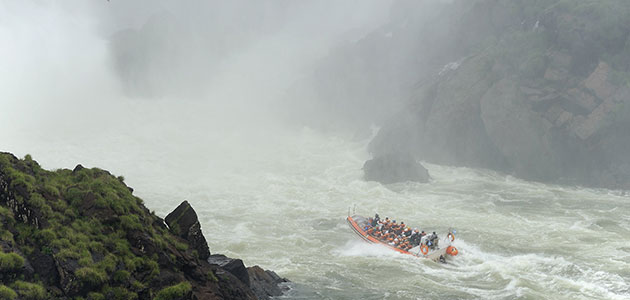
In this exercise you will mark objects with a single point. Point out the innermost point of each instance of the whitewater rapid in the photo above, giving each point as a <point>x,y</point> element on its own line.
<point>279,199</point>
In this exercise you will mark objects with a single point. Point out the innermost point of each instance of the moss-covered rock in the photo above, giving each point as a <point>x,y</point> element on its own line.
<point>83,234</point>
<point>175,292</point>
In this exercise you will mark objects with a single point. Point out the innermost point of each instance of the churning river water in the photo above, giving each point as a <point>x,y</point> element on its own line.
<point>279,199</point>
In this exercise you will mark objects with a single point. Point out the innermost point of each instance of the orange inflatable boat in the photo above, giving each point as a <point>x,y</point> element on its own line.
<point>360,225</point>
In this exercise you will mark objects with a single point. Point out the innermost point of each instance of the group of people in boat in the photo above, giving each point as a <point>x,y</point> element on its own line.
<point>399,235</point>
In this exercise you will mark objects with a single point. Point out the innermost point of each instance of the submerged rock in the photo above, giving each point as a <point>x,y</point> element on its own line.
<point>392,168</point>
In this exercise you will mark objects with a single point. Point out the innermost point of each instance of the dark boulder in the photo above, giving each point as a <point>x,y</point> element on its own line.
<point>234,266</point>
<point>265,283</point>
<point>183,222</point>
<point>392,168</point>
<point>44,264</point>
<point>77,168</point>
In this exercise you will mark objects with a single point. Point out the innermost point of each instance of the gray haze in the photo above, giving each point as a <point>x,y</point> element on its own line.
<point>71,67</point>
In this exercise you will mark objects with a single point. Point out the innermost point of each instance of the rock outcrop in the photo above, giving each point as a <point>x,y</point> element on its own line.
<point>544,95</point>
<point>392,168</point>
<point>184,223</point>
<point>69,234</point>
<point>264,283</point>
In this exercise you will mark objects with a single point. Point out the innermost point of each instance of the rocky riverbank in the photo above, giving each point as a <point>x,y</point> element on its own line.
<point>81,234</point>
<point>538,89</point>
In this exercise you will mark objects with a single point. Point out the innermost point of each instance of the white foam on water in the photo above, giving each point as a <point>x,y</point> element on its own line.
<point>364,249</point>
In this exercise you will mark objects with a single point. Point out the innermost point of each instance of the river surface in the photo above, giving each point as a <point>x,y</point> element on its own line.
<point>278,198</point>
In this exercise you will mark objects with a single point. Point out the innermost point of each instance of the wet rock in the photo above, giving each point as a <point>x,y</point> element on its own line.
<point>234,266</point>
<point>263,283</point>
<point>393,168</point>
<point>266,283</point>
<point>183,222</point>
<point>518,132</point>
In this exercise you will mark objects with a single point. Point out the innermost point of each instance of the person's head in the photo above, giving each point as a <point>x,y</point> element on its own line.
<point>434,232</point>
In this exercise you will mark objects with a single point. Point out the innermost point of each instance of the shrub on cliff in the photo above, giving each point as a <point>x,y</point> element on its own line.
<point>7,293</point>
<point>10,262</point>
<point>29,291</point>
<point>177,291</point>
<point>91,277</point>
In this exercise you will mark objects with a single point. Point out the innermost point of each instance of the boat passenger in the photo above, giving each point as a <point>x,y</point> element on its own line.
<point>434,240</point>
<point>406,246</point>
<point>415,238</point>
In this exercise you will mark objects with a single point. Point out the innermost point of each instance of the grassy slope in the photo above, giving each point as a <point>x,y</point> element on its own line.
<point>82,218</point>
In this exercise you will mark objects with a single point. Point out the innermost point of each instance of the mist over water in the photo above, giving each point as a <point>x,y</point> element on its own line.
<point>277,194</point>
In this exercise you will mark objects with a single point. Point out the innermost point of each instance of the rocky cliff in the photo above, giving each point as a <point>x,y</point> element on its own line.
<point>545,96</point>
<point>539,89</point>
<point>81,234</point>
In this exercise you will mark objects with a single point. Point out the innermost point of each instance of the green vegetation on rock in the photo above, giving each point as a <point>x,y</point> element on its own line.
<point>10,262</point>
<point>87,220</point>
<point>7,293</point>
<point>29,291</point>
<point>174,292</point>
